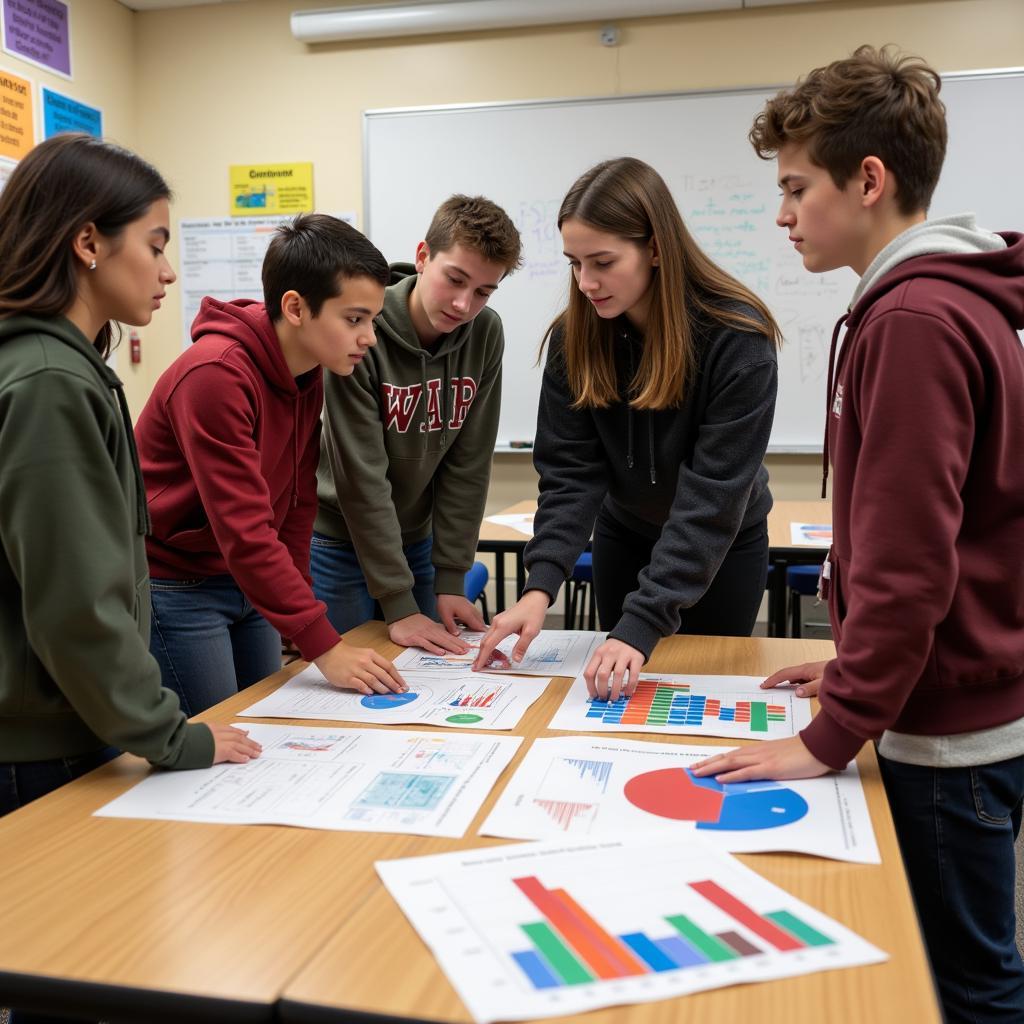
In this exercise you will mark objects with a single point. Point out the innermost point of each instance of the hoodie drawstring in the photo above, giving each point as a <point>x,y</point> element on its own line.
<point>650,448</point>
<point>142,523</point>
<point>629,436</point>
<point>295,453</point>
<point>446,387</point>
<point>829,400</point>
<point>424,417</point>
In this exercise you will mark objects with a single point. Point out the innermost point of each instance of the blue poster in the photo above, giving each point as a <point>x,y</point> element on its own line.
<point>63,114</point>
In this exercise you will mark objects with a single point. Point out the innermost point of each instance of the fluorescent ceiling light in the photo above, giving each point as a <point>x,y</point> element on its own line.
<point>426,18</point>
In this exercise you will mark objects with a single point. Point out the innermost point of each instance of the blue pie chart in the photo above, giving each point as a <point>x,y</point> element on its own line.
<point>388,701</point>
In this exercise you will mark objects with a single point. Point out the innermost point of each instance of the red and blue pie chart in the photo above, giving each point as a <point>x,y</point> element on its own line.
<point>735,806</point>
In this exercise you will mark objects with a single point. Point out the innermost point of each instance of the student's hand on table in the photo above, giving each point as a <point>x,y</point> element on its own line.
<point>231,744</point>
<point>360,669</point>
<point>525,618</point>
<point>454,608</point>
<point>807,675</point>
<point>774,759</point>
<point>419,631</point>
<point>614,671</point>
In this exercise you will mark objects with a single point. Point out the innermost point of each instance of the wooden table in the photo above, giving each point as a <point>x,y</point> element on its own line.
<point>375,963</point>
<point>782,552</point>
<point>150,921</point>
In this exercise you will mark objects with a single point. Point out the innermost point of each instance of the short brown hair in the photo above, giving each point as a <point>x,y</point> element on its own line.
<point>478,224</point>
<point>875,103</point>
<point>313,255</point>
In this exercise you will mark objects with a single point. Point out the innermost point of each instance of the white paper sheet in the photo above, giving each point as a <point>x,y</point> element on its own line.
<point>547,929</point>
<point>520,521</point>
<point>811,535</point>
<point>460,700</point>
<point>360,780</point>
<point>554,652</point>
<point>583,786</point>
<point>685,705</point>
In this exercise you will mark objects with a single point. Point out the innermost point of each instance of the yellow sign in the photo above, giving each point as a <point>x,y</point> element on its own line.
<point>261,189</point>
<point>17,123</point>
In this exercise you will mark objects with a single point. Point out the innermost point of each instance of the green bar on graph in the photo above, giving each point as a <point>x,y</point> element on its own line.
<point>711,947</point>
<point>758,716</point>
<point>804,932</point>
<point>568,968</point>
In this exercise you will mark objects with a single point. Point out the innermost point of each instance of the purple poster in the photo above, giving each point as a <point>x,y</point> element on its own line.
<point>39,31</point>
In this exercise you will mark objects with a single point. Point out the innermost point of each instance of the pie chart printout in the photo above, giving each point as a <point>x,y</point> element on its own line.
<point>388,701</point>
<point>737,806</point>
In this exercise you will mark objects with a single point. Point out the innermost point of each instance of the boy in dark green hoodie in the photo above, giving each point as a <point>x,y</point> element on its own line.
<point>408,439</point>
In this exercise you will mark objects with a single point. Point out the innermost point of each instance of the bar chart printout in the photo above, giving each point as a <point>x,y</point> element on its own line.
<point>733,706</point>
<point>536,930</point>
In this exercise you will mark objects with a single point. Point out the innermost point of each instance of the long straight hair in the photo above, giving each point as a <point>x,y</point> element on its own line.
<point>63,184</point>
<point>628,198</point>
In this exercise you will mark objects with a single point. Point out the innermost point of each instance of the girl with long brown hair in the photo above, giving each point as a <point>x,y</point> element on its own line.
<point>83,229</point>
<point>656,405</point>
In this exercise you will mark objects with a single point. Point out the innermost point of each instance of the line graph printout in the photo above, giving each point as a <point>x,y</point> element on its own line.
<point>732,706</point>
<point>462,700</point>
<point>554,652</point>
<point>588,786</point>
<point>361,780</point>
<point>540,930</point>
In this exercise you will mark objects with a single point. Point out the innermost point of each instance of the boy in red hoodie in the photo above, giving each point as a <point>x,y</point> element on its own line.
<point>925,430</point>
<point>229,442</point>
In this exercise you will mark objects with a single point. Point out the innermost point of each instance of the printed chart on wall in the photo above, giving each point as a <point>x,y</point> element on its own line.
<point>583,786</point>
<point>554,652</point>
<point>462,700</point>
<point>731,706</point>
<point>368,780</point>
<point>540,930</point>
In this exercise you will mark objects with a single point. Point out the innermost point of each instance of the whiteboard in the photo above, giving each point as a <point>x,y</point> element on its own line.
<point>525,156</point>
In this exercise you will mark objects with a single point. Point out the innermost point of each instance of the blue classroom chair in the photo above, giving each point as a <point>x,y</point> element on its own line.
<point>579,588</point>
<point>802,581</point>
<point>476,582</point>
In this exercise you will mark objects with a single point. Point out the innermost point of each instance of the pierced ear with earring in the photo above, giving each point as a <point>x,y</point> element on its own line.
<point>92,266</point>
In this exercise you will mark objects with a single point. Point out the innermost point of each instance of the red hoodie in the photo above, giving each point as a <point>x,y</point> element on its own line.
<point>229,443</point>
<point>926,429</point>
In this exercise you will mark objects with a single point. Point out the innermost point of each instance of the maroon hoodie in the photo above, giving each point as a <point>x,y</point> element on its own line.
<point>926,437</point>
<point>229,443</point>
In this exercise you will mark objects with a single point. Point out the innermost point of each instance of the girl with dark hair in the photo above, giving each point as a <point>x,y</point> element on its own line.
<point>655,409</point>
<point>83,228</point>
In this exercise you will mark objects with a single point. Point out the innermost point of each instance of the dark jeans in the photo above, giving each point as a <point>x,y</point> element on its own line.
<point>729,605</point>
<point>21,782</point>
<point>339,582</point>
<point>956,828</point>
<point>209,640</point>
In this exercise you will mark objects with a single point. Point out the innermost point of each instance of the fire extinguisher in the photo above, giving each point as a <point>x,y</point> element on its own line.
<point>136,345</point>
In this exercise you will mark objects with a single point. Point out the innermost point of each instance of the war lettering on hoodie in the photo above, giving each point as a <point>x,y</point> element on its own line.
<point>400,404</point>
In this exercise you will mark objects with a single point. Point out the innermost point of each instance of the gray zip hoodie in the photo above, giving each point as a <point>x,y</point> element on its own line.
<point>407,446</point>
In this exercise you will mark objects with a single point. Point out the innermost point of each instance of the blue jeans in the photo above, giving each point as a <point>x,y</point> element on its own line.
<point>339,582</point>
<point>21,782</point>
<point>956,828</point>
<point>209,640</point>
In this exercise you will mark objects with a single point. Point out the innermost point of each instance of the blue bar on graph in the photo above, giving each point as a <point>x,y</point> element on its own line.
<point>682,952</point>
<point>536,970</point>
<point>655,958</point>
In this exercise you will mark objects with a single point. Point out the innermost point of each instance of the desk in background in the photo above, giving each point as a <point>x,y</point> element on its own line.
<point>782,552</point>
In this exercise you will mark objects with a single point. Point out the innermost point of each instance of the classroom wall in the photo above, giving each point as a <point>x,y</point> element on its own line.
<point>228,83</point>
<point>103,67</point>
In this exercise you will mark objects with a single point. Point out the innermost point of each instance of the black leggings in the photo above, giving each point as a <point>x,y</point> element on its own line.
<point>729,605</point>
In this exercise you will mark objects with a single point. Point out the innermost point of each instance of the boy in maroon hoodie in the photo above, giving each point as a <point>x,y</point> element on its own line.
<point>229,442</point>
<point>925,430</point>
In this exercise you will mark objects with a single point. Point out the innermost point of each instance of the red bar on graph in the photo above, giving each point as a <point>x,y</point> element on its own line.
<point>603,953</point>
<point>739,911</point>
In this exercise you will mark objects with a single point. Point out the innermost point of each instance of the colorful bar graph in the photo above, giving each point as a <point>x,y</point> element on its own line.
<point>655,958</point>
<point>740,912</point>
<point>536,970</point>
<point>808,935</point>
<point>682,952</point>
<point>738,943</point>
<point>713,949</point>
<point>601,952</point>
<point>661,703</point>
<point>557,954</point>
